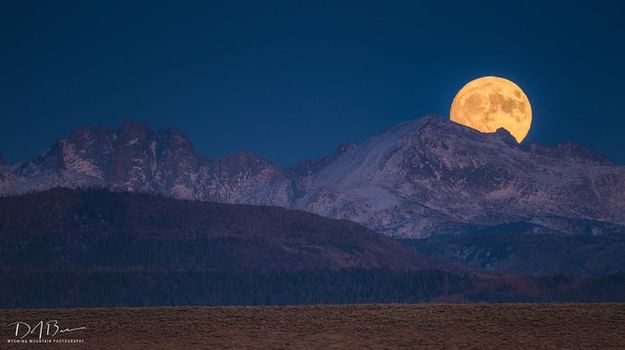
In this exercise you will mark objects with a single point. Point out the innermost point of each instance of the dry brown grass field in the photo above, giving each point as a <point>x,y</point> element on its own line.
<point>423,326</point>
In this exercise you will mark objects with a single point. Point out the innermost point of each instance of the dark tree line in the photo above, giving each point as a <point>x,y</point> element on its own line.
<point>137,288</point>
<point>151,288</point>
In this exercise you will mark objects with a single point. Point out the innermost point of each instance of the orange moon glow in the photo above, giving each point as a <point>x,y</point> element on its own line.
<point>489,103</point>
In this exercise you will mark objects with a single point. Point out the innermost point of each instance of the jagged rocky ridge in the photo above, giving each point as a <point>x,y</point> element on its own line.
<point>423,177</point>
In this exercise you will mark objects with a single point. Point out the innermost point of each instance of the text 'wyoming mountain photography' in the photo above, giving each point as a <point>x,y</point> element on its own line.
<point>309,175</point>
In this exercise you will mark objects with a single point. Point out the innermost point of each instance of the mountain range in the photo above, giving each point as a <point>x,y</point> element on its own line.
<point>422,178</point>
<point>97,248</point>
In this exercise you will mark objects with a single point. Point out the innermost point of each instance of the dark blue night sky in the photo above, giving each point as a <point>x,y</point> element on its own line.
<point>289,80</point>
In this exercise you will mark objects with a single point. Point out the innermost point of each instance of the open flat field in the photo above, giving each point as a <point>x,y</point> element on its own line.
<point>423,326</point>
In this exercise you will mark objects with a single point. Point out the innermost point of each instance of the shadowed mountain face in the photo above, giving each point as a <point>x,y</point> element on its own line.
<point>414,180</point>
<point>77,248</point>
<point>529,248</point>
<point>63,229</point>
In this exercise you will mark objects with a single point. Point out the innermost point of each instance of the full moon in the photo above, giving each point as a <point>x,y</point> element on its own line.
<point>489,103</point>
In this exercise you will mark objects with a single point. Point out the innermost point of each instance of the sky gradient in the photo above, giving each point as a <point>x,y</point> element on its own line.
<point>290,80</point>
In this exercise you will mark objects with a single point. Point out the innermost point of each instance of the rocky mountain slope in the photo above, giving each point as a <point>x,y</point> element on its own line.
<point>424,177</point>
